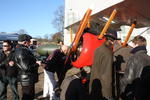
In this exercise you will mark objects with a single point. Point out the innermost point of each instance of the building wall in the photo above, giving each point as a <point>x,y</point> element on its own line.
<point>75,10</point>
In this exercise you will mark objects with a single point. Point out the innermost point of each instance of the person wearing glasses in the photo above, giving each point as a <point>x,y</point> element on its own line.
<point>8,72</point>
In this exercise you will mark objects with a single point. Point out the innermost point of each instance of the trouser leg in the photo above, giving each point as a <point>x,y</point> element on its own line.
<point>3,90</point>
<point>45,88</point>
<point>28,92</point>
<point>52,85</point>
<point>13,86</point>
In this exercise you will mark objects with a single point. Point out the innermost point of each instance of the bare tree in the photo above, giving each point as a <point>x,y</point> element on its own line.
<point>58,21</point>
<point>22,31</point>
<point>46,36</point>
<point>56,37</point>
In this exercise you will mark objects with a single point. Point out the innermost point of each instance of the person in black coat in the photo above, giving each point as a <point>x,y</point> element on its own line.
<point>75,86</point>
<point>28,67</point>
<point>8,72</point>
<point>54,63</point>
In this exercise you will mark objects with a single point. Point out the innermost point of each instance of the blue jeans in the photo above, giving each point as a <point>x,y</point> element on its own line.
<point>12,82</point>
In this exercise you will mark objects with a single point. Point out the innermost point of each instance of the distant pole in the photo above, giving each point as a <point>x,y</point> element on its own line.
<point>71,37</point>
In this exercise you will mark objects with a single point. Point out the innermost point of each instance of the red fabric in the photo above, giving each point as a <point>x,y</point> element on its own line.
<point>84,81</point>
<point>90,43</point>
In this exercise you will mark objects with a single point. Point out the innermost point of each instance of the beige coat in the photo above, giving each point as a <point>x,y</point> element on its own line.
<point>102,70</point>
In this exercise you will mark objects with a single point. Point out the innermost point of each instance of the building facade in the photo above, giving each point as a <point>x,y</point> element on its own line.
<point>75,10</point>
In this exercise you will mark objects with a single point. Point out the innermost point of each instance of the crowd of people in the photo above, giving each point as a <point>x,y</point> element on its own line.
<point>18,64</point>
<point>116,74</point>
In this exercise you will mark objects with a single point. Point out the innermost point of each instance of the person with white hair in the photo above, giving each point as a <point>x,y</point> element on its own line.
<point>54,63</point>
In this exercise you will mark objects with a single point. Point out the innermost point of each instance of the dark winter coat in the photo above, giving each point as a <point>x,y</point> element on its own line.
<point>5,69</point>
<point>134,68</point>
<point>26,62</point>
<point>101,73</point>
<point>56,63</point>
<point>121,57</point>
<point>73,89</point>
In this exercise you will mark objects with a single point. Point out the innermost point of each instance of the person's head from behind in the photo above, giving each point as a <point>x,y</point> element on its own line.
<point>64,49</point>
<point>139,41</point>
<point>60,42</point>
<point>110,38</point>
<point>7,45</point>
<point>24,39</point>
